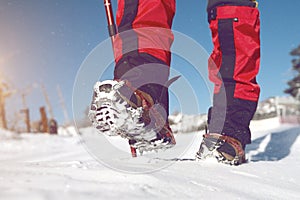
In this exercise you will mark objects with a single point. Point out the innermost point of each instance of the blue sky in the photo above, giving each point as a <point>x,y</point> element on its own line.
<point>44,42</point>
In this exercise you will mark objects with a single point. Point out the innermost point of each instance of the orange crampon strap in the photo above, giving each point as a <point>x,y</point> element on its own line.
<point>145,101</point>
<point>230,140</point>
<point>235,144</point>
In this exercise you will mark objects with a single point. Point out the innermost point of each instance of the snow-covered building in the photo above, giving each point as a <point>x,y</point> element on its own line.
<point>286,108</point>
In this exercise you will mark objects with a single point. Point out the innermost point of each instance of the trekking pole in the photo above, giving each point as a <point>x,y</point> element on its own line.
<point>111,26</point>
<point>112,31</point>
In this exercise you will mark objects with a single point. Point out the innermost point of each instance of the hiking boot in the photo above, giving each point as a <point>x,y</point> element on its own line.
<point>225,149</point>
<point>120,109</point>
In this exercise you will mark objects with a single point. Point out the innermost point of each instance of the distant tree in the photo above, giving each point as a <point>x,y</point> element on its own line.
<point>294,84</point>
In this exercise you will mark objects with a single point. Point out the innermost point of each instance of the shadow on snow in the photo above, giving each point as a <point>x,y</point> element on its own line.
<point>278,146</point>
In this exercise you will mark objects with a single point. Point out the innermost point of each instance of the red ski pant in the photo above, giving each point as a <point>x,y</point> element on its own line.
<point>236,54</point>
<point>145,27</point>
<point>233,67</point>
<point>142,47</point>
<point>146,37</point>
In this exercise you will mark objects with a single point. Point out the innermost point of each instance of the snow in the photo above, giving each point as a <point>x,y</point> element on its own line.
<point>187,123</point>
<point>72,167</point>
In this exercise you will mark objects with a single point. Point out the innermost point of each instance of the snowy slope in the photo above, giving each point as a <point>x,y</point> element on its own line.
<point>38,167</point>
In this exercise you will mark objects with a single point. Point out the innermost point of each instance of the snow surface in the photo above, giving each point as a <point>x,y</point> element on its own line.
<point>64,166</point>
